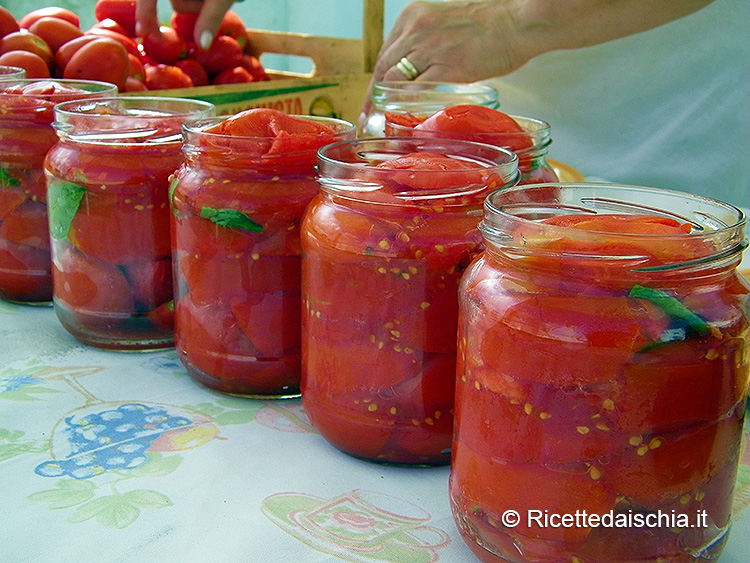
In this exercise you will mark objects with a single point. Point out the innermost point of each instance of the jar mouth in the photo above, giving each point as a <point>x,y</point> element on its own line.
<point>535,130</point>
<point>199,127</point>
<point>350,168</point>
<point>429,97</point>
<point>514,219</point>
<point>282,154</point>
<point>47,95</point>
<point>128,119</point>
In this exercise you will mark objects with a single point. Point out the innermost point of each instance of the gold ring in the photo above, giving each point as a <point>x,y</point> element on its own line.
<point>407,68</point>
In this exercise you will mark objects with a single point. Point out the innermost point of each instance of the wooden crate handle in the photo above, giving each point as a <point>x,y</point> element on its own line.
<point>330,55</point>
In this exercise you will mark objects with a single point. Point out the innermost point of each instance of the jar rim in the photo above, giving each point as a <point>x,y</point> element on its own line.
<point>425,96</point>
<point>340,164</point>
<point>719,224</point>
<point>538,131</point>
<point>435,86</point>
<point>199,126</point>
<point>96,88</point>
<point>128,119</point>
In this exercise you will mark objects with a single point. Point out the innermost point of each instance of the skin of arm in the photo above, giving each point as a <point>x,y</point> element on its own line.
<point>211,12</point>
<point>450,41</point>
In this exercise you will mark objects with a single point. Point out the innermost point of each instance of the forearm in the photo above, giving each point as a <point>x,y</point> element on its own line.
<point>549,25</point>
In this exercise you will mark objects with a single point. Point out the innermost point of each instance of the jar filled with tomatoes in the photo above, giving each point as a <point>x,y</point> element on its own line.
<point>419,100</point>
<point>26,135</point>
<point>384,245</point>
<point>238,202</point>
<point>602,376</point>
<point>528,137</point>
<point>108,181</point>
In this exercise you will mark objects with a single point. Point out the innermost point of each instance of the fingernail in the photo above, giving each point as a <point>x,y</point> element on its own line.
<point>206,39</point>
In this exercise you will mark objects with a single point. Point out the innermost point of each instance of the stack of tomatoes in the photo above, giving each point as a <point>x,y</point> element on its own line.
<point>49,42</point>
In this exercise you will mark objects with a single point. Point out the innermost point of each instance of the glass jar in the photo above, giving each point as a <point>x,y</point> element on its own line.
<point>11,73</point>
<point>419,99</point>
<point>108,180</point>
<point>602,376</point>
<point>237,206</point>
<point>531,146</point>
<point>26,134</point>
<point>384,245</point>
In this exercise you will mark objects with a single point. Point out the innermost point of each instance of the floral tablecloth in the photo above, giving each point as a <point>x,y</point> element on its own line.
<point>181,473</point>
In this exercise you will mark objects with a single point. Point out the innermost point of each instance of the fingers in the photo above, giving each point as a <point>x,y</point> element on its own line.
<point>209,20</point>
<point>146,17</point>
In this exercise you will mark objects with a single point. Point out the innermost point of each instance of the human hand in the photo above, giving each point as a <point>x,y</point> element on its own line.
<point>210,13</point>
<point>458,41</point>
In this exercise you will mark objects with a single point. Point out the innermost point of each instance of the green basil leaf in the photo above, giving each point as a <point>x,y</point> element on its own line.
<point>173,182</point>
<point>63,199</point>
<point>672,307</point>
<point>6,180</point>
<point>230,218</point>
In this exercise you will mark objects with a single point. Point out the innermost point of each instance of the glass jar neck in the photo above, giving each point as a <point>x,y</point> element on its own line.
<point>425,98</point>
<point>556,232</point>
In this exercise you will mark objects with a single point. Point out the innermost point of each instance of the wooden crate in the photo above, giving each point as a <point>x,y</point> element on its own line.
<point>335,86</point>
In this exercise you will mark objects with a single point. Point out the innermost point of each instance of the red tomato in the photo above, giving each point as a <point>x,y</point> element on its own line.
<point>542,331</point>
<point>27,224</point>
<point>478,123</point>
<point>184,24</point>
<point>194,70</point>
<point>470,118</point>
<point>54,12</point>
<point>403,119</point>
<point>234,75</point>
<point>163,316</point>
<point>134,85</point>
<point>32,63</point>
<point>164,47</point>
<point>662,467</point>
<point>93,232</point>
<point>55,31</point>
<point>494,487</point>
<point>82,282</point>
<point>233,26</point>
<point>678,383</point>
<point>66,50</point>
<point>614,223</point>
<point>673,243</point>
<point>122,11</point>
<point>213,280</point>
<point>163,76</point>
<point>452,173</point>
<point>271,321</point>
<point>208,336</point>
<point>111,25</point>
<point>127,41</point>
<point>254,67</point>
<point>535,422</point>
<point>136,68</point>
<point>86,62</point>
<point>151,282</point>
<point>223,53</point>
<point>9,200</point>
<point>24,40</point>
<point>24,272</point>
<point>266,122</point>
<point>367,440</point>
<point>8,23</point>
